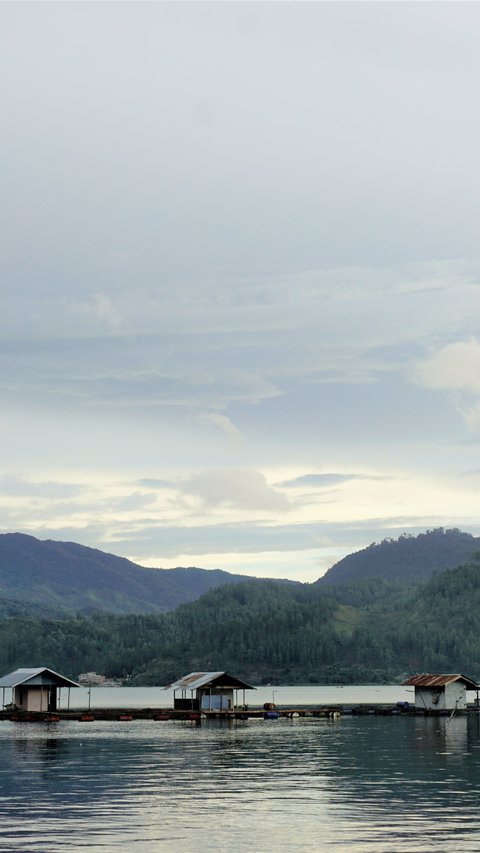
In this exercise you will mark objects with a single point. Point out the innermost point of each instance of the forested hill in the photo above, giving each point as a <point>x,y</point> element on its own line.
<point>265,632</point>
<point>52,578</point>
<point>59,577</point>
<point>360,629</point>
<point>409,559</point>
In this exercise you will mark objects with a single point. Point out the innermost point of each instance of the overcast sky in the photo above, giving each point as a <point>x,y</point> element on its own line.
<point>240,278</point>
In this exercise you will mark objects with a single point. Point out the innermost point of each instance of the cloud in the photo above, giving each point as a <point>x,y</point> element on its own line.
<point>249,538</point>
<point>97,313</point>
<point>222,422</point>
<point>208,345</point>
<point>169,305</point>
<point>322,480</point>
<point>154,483</point>
<point>242,488</point>
<point>135,501</point>
<point>18,486</point>
<point>454,367</point>
<point>471,415</point>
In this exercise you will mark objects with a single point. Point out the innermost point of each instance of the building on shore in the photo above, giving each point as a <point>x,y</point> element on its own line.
<point>91,678</point>
<point>208,691</point>
<point>35,689</point>
<point>94,679</point>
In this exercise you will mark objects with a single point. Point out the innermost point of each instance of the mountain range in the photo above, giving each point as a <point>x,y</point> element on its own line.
<point>410,614</point>
<point>52,578</point>
<point>408,559</point>
<point>62,577</point>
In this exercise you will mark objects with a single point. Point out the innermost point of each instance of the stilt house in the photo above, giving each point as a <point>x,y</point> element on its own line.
<point>35,689</point>
<point>208,691</point>
<point>441,693</point>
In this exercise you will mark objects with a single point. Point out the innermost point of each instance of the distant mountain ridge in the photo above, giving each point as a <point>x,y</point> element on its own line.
<point>64,577</point>
<point>368,631</point>
<point>408,559</point>
<point>372,625</point>
<point>50,578</point>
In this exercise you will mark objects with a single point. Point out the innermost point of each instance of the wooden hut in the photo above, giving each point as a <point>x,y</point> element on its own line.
<point>441,694</point>
<point>208,691</point>
<point>35,689</point>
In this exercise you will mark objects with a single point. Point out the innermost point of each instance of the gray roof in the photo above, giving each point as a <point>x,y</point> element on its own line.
<point>40,676</point>
<point>194,680</point>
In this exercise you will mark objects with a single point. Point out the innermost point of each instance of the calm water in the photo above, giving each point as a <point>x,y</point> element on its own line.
<point>373,784</point>
<point>298,696</point>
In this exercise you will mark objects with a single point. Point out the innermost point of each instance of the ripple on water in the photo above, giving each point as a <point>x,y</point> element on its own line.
<point>357,784</point>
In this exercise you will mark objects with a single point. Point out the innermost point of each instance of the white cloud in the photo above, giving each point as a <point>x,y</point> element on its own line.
<point>471,414</point>
<point>222,422</point>
<point>242,488</point>
<point>98,315</point>
<point>455,367</point>
<point>19,486</point>
<point>208,345</point>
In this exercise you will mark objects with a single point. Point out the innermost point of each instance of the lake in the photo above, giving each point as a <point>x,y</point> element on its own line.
<point>298,696</point>
<point>368,784</point>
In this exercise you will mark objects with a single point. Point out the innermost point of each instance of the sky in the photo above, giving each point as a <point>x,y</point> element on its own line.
<point>239,278</point>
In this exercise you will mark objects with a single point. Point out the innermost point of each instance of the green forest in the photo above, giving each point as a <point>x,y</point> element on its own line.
<point>370,630</point>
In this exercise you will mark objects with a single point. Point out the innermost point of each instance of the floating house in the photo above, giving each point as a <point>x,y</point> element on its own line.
<point>35,689</point>
<point>208,691</point>
<point>441,694</point>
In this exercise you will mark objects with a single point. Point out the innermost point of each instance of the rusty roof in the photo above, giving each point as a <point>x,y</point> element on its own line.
<point>431,680</point>
<point>194,680</point>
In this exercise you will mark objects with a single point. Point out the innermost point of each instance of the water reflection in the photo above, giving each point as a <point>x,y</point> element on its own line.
<point>442,736</point>
<point>366,783</point>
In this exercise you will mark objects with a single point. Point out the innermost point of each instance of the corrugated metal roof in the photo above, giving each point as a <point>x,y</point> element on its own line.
<point>39,676</point>
<point>195,680</point>
<point>430,680</point>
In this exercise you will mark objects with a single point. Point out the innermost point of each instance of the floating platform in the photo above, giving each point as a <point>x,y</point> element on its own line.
<point>161,714</point>
<point>169,714</point>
